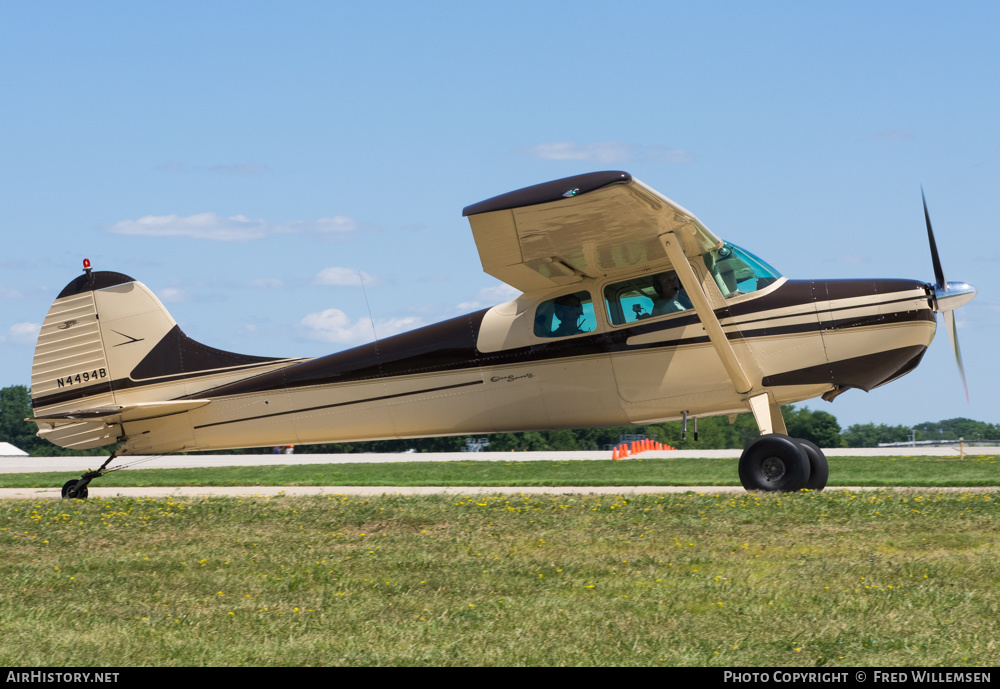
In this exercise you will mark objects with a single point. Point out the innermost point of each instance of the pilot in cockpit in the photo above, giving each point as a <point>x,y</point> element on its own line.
<point>670,296</point>
<point>568,310</point>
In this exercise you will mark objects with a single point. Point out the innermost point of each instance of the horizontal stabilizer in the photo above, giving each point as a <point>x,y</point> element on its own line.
<point>119,414</point>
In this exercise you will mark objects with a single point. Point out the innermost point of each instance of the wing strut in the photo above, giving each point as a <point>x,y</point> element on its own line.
<point>766,412</point>
<point>705,312</point>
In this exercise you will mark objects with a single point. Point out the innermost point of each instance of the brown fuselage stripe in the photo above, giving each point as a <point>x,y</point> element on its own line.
<point>391,363</point>
<point>343,404</point>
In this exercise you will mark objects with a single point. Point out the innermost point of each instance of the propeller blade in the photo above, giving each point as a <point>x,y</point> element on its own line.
<point>938,272</point>
<point>948,296</point>
<point>949,322</point>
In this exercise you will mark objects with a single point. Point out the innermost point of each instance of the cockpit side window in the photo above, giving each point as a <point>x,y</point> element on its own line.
<point>645,297</point>
<point>736,271</point>
<point>570,314</point>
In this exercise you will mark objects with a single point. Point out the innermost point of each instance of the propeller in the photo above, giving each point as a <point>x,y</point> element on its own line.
<point>948,296</point>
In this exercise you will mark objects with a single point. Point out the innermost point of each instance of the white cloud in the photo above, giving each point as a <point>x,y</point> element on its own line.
<point>24,332</point>
<point>172,294</point>
<point>212,226</point>
<point>268,283</point>
<point>236,228</point>
<point>6,293</point>
<point>333,325</point>
<point>605,152</point>
<point>395,326</point>
<point>244,170</point>
<point>490,296</point>
<point>344,277</point>
<point>499,293</point>
<point>337,227</point>
<point>662,154</point>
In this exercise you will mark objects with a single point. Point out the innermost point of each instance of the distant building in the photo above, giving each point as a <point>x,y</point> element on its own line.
<point>8,450</point>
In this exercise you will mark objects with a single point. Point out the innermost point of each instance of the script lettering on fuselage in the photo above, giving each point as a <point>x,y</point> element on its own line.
<point>510,379</point>
<point>80,378</point>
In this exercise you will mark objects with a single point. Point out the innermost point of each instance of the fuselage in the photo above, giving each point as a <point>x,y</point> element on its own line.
<point>489,372</point>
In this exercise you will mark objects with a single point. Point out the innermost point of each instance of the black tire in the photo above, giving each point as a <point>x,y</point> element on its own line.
<point>819,469</point>
<point>70,491</point>
<point>774,462</point>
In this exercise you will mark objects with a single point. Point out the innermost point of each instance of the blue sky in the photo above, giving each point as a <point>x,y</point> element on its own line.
<point>247,160</point>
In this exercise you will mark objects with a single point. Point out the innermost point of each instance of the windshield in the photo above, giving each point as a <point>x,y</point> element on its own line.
<point>737,271</point>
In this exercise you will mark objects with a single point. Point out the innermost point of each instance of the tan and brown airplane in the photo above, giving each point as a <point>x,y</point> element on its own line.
<point>631,312</point>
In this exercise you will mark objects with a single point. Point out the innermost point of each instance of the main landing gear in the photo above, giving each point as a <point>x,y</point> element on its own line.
<point>77,487</point>
<point>775,462</point>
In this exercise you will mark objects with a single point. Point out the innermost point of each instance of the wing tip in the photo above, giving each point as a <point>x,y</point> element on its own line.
<point>549,191</point>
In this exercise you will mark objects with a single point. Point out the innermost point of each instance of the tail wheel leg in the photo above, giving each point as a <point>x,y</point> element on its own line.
<point>77,488</point>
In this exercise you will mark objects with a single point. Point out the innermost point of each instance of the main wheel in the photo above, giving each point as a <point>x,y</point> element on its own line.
<point>774,462</point>
<point>69,490</point>
<point>819,469</point>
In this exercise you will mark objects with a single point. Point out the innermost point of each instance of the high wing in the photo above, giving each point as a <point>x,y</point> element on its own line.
<point>594,225</point>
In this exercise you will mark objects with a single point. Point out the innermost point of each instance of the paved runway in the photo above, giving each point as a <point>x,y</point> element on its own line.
<point>19,465</point>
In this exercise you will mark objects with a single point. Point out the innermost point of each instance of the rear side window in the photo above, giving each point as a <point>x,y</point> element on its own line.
<point>570,314</point>
<point>645,297</point>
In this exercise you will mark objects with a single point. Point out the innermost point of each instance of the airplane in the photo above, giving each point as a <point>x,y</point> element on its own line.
<point>630,311</point>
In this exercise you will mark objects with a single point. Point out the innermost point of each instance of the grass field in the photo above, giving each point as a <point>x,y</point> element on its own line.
<point>808,579</point>
<point>974,471</point>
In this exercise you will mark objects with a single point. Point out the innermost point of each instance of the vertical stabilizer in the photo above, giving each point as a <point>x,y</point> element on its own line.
<point>98,329</point>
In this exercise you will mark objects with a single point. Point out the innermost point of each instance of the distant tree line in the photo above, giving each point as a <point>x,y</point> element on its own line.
<point>713,433</point>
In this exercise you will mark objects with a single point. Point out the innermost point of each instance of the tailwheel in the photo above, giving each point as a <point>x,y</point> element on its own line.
<point>72,490</point>
<point>819,469</point>
<point>774,462</point>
